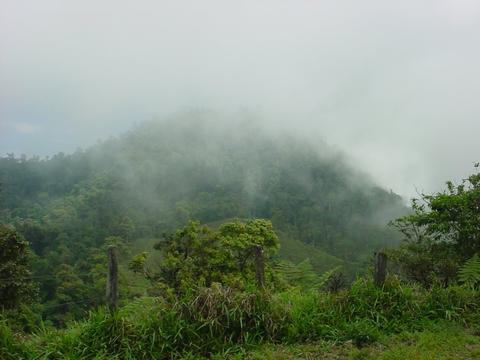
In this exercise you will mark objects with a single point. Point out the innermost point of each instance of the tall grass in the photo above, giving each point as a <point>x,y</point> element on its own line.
<point>218,319</point>
<point>10,348</point>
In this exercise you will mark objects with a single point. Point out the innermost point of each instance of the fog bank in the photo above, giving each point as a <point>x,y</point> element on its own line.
<point>394,84</point>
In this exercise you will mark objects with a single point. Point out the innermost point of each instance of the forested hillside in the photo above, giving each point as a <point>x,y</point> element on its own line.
<point>231,242</point>
<point>151,180</point>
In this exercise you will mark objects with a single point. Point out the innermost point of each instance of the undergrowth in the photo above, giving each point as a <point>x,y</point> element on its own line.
<point>219,320</point>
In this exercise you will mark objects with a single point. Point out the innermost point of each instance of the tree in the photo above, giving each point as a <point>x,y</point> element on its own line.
<point>241,239</point>
<point>38,235</point>
<point>16,286</point>
<point>196,255</point>
<point>442,232</point>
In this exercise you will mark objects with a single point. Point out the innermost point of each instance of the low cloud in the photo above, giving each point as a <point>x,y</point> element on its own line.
<point>394,84</point>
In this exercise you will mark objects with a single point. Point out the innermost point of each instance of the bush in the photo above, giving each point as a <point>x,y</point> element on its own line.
<point>392,307</point>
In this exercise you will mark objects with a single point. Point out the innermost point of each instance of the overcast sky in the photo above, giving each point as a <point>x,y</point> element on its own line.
<point>396,84</point>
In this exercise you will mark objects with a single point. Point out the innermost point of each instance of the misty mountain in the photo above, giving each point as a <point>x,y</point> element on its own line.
<point>158,175</point>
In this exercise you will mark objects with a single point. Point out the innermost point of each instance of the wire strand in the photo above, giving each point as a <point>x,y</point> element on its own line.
<point>34,277</point>
<point>72,302</point>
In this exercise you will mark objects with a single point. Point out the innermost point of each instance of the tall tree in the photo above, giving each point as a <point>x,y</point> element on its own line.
<point>16,285</point>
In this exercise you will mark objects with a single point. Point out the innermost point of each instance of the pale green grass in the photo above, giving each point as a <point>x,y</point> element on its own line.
<point>442,342</point>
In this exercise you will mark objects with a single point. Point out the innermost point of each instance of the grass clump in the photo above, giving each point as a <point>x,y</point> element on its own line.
<point>10,347</point>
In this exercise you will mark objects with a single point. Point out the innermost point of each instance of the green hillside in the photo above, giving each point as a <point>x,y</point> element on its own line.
<point>155,177</point>
<point>226,239</point>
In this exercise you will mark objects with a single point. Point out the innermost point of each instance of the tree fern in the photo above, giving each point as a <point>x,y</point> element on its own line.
<point>469,273</point>
<point>303,275</point>
<point>323,279</point>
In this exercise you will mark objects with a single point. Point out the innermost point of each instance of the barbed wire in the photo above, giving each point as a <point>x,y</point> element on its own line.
<point>33,277</point>
<point>72,302</point>
<point>125,283</point>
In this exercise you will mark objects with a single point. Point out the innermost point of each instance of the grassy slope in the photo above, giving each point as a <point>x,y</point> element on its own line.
<point>296,251</point>
<point>442,342</point>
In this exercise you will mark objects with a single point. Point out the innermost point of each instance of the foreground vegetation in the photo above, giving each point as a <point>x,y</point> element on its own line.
<point>296,283</point>
<point>219,321</point>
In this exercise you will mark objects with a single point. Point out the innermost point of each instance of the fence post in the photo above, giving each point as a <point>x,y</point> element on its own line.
<point>259,266</point>
<point>112,278</point>
<point>380,268</point>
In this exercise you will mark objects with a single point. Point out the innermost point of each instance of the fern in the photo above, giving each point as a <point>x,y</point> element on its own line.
<point>325,277</point>
<point>303,275</point>
<point>469,273</point>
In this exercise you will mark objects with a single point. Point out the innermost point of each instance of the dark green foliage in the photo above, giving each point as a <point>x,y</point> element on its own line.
<point>16,286</point>
<point>442,233</point>
<point>336,282</point>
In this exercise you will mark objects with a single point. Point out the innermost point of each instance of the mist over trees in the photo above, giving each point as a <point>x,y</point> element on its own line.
<point>160,174</point>
<point>225,234</point>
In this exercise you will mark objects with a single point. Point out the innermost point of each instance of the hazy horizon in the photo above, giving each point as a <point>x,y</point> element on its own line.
<point>392,84</point>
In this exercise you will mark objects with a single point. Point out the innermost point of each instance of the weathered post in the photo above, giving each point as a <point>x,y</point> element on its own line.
<point>259,266</point>
<point>112,278</point>
<point>380,268</point>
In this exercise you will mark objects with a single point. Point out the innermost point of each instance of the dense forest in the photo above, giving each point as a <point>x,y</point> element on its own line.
<point>150,181</point>
<point>189,203</point>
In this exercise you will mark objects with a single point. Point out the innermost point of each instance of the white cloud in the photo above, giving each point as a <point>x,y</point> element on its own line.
<point>395,83</point>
